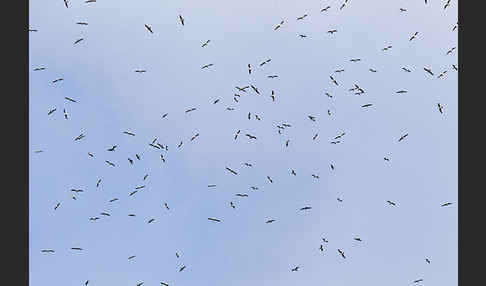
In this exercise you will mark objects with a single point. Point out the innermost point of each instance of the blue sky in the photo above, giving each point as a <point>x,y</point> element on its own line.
<point>99,73</point>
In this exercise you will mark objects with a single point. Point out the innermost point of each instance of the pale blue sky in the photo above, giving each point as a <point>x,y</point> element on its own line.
<point>99,73</point>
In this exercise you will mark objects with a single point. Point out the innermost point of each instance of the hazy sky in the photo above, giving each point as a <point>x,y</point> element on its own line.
<point>111,98</point>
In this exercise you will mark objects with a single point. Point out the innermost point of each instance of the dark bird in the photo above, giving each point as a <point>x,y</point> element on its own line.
<point>90,154</point>
<point>145,177</point>
<point>165,115</point>
<point>166,206</point>
<point>254,188</point>
<point>216,101</point>
<point>357,239</point>
<point>149,28</point>
<point>293,172</point>
<point>450,51</point>
<point>237,133</point>
<point>414,36</point>
<point>354,60</point>
<point>278,26</point>
<point>269,179</point>
<point>243,89</point>
<point>51,111</point>
<point>138,156</point>
<point>140,71</point>
<point>373,70</point>
<point>295,269</point>
<point>56,80</point>
<point>302,36</point>
<point>140,284</point>
<point>427,260</point>
<point>342,253</point>
<point>131,215</point>
<point>315,136</point>
<point>232,171</point>
<point>325,9</point>
<point>339,71</point>
<point>206,66</point>
<point>129,133</point>
<point>367,105</point>
<point>32,30</point>
<point>447,4</point>
<point>211,186</point>
<point>255,89</point>
<point>287,143</point>
<point>313,118</point>
<point>323,239</point>
<point>113,200</point>
<point>265,62</point>
<point>387,48</point>
<point>78,40</point>
<point>76,248</point>
<point>332,31</point>
<point>251,136</point>
<point>321,248</point>
<point>131,257</point>
<point>140,187</point>
<point>195,136</point>
<point>333,80</point>
<point>242,195</point>
<point>39,69</point>
<point>181,19</point>
<point>429,71</point>
<point>132,193</point>
<point>165,284</point>
<point>82,23</point>
<point>182,268</point>
<point>446,204</point>
<point>305,208</point>
<point>270,221</point>
<point>205,43</point>
<point>47,251</point>
<point>232,205</point>
<point>94,218</point>
<point>214,219</point>
<point>180,145</point>
<point>66,3</point>
<point>332,166</point>
<point>130,160</point>
<point>65,114</point>
<point>151,220</point>
<point>342,6</point>
<point>407,70</point>
<point>403,137</point>
<point>439,107</point>
<point>418,280</point>
<point>249,69</point>
<point>112,148</point>
<point>191,109</point>
<point>77,191</point>
<point>302,17</point>
<point>403,10</point>
<point>57,205</point>
<point>86,283</point>
<point>70,99</point>
<point>339,200</point>
<point>105,214</point>
<point>401,91</point>
<point>386,159</point>
<point>315,176</point>
<point>391,203</point>
<point>272,76</point>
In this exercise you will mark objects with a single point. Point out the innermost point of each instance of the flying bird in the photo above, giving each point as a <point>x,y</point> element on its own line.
<point>403,137</point>
<point>56,80</point>
<point>231,170</point>
<point>332,31</point>
<point>439,107</point>
<point>181,19</point>
<point>429,71</point>
<point>446,204</point>
<point>325,9</point>
<point>305,208</point>
<point>295,269</point>
<point>333,80</point>
<point>413,36</point>
<point>418,280</point>
<point>278,26</point>
<point>407,70</point>
<point>206,66</point>
<point>70,99</point>
<point>51,111</point>
<point>205,43</point>
<point>149,28</point>
<point>82,23</point>
<point>78,40</point>
<point>151,220</point>
<point>214,219</point>
<point>66,3</point>
<point>191,109</point>
<point>47,251</point>
<point>129,133</point>
<point>302,17</point>
<point>182,268</point>
<point>391,203</point>
<point>270,221</point>
<point>112,148</point>
<point>342,253</point>
<point>367,105</point>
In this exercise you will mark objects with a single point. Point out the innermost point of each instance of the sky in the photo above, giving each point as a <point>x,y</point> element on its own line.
<point>98,73</point>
